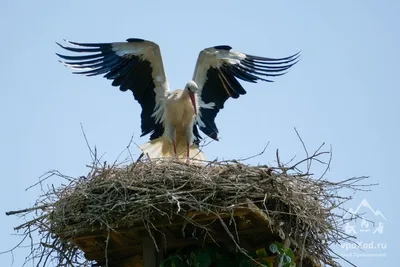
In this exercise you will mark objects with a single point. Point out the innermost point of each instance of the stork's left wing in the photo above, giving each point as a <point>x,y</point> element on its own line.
<point>216,73</point>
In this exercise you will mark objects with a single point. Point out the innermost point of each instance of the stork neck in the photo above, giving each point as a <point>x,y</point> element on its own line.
<point>185,94</point>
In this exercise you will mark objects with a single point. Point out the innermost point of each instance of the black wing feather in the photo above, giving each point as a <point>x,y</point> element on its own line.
<point>222,83</point>
<point>128,72</point>
<point>94,56</point>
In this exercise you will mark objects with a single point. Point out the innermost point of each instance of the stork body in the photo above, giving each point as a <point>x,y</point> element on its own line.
<point>180,116</point>
<point>173,118</point>
<point>179,120</point>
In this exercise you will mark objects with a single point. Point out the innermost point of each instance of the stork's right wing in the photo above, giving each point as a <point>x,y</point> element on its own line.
<point>217,72</point>
<point>134,65</point>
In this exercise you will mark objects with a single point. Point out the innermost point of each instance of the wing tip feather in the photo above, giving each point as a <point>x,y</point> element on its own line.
<point>135,40</point>
<point>223,47</point>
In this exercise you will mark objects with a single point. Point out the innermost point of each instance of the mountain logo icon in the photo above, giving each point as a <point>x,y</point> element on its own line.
<point>364,205</point>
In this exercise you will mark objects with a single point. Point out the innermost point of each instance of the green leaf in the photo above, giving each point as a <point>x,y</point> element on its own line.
<point>274,248</point>
<point>288,257</point>
<point>279,246</point>
<point>261,253</point>
<point>290,253</point>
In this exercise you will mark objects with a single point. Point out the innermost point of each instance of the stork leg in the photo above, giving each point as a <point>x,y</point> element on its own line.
<point>189,141</point>
<point>171,134</point>
<point>187,153</point>
<point>174,145</point>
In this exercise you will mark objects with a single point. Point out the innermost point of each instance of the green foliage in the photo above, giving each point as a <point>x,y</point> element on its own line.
<point>286,256</point>
<point>212,255</point>
<point>261,253</point>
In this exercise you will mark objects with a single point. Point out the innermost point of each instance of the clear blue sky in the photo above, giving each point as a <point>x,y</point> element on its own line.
<point>344,91</point>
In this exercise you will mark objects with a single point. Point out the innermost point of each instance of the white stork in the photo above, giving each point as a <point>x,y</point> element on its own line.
<point>172,117</point>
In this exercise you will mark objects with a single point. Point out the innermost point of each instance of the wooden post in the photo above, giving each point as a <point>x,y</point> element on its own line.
<point>162,249</point>
<point>149,252</point>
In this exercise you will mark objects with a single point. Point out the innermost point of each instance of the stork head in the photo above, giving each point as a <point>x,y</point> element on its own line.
<point>192,88</point>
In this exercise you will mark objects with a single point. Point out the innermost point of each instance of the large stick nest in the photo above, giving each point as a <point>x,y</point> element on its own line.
<point>298,206</point>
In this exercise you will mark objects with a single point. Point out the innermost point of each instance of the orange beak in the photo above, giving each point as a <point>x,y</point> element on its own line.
<point>193,99</point>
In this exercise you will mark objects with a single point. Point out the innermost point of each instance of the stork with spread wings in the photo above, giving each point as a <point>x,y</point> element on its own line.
<point>172,118</point>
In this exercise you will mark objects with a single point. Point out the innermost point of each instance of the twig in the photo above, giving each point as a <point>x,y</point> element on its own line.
<point>13,212</point>
<point>92,154</point>
<point>304,147</point>
<point>256,155</point>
